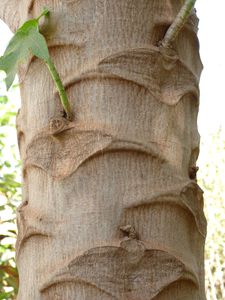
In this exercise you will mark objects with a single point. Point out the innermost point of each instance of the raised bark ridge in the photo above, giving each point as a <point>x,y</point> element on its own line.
<point>127,159</point>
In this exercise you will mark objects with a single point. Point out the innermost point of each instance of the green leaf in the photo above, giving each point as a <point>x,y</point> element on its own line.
<point>7,164</point>
<point>5,295</point>
<point>26,41</point>
<point>4,120</point>
<point>12,282</point>
<point>3,99</point>
<point>2,207</point>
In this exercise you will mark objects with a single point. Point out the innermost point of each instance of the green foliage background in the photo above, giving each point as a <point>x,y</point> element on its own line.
<point>10,194</point>
<point>211,179</point>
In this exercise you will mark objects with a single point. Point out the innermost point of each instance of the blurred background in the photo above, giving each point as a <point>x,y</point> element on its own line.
<point>211,175</point>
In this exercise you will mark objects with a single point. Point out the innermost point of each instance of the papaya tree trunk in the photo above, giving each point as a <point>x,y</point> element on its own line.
<point>111,207</point>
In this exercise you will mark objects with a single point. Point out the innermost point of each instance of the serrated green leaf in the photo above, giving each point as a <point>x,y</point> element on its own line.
<point>26,41</point>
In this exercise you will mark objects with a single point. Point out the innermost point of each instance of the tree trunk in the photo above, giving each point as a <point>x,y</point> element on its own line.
<point>111,208</point>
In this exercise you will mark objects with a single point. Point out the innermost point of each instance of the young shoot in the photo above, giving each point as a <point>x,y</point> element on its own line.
<point>26,41</point>
<point>178,23</point>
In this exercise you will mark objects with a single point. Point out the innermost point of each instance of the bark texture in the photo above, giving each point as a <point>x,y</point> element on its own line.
<point>111,208</point>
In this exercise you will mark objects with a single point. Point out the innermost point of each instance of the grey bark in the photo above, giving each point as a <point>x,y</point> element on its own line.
<point>111,208</point>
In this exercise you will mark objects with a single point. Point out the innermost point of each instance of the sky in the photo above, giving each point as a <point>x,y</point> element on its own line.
<point>212,51</point>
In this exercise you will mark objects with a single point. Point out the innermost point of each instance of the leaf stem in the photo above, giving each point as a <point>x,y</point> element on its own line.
<point>60,88</point>
<point>45,13</point>
<point>178,23</point>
